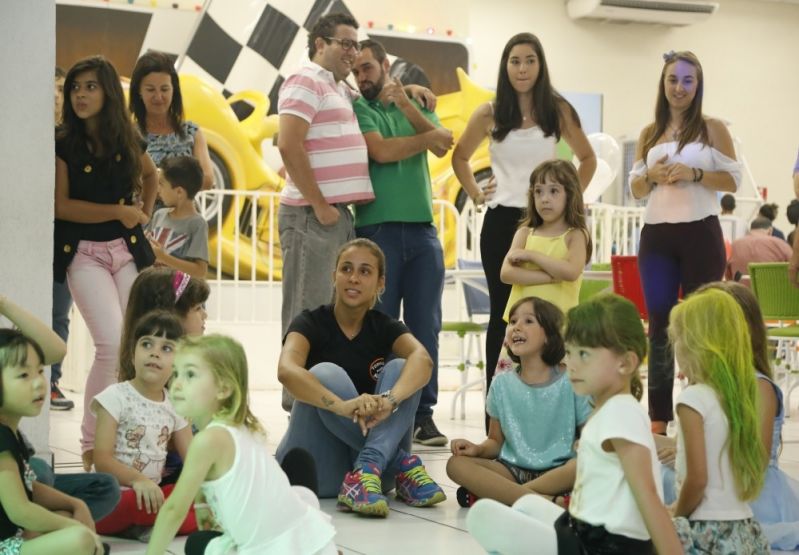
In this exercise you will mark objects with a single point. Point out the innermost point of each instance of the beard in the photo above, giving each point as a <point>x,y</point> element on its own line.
<point>372,90</point>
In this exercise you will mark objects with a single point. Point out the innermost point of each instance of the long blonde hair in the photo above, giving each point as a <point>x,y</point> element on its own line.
<point>225,357</point>
<point>720,356</point>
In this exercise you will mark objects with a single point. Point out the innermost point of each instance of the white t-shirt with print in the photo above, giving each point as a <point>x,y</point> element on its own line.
<point>143,427</point>
<point>720,501</point>
<point>601,495</point>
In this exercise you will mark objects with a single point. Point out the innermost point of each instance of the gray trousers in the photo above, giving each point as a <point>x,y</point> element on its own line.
<point>309,255</point>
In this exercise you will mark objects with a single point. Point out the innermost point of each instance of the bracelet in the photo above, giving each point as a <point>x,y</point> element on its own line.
<point>701,175</point>
<point>201,506</point>
<point>693,170</point>
<point>391,399</point>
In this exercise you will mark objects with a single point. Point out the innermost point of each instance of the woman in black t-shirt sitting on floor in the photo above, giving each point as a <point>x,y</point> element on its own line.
<point>354,410</point>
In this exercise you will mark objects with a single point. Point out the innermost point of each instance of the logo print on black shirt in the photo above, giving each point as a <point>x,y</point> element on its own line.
<point>376,367</point>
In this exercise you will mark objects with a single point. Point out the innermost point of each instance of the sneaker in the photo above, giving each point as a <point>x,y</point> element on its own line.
<point>362,492</point>
<point>415,486</point>
<point>426,433</point>
<point>57,399</point>
<point>465,497</point>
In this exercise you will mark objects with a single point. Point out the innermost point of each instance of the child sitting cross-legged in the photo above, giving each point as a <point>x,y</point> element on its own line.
<point>535,417</point>
<point>616,505</point>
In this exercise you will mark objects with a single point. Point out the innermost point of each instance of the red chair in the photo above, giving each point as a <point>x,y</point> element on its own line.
<point>627,281</point>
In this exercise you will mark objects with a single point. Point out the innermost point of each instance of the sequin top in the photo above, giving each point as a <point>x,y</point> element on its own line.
<point>172,144</point>
<point>539,421</point>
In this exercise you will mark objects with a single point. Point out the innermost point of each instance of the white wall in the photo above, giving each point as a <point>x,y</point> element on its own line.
<point>27,165</point>
<point>748,51</point>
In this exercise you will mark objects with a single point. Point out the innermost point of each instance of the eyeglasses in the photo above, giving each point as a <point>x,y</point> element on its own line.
<point>346,44</point>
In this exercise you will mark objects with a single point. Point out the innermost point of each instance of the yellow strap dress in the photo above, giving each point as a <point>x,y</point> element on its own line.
<point>563,294</point>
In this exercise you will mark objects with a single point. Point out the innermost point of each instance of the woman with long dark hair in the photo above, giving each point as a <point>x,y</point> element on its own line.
<point>524,124</point>
<point>104,191</point>
<point>156,102</point>
<point>683,160</point>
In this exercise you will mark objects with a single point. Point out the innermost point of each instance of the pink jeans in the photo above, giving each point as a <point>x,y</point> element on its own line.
<point>100,277</point>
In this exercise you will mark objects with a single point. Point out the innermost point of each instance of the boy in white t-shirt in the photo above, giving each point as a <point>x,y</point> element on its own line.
<point>178,234</point>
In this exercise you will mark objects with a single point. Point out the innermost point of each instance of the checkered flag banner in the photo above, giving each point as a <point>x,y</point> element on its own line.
<point>246,44</point>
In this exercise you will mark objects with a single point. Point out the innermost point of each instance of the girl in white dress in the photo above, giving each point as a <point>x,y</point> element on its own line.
<point>228,468</point>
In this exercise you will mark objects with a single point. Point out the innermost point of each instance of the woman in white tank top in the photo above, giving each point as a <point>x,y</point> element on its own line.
<point>684,159</point>
<point>524,123</point>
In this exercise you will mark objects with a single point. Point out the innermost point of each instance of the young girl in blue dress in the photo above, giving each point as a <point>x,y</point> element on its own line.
<point>535,416</point>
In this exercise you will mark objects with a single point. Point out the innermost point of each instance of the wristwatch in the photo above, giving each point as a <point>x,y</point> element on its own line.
<point>391,399</point>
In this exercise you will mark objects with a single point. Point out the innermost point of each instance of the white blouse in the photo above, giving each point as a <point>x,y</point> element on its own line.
<point>513,159</point>
<point>684,201</point>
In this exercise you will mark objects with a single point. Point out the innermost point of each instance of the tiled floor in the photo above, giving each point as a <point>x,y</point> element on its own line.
<point>438,530</point>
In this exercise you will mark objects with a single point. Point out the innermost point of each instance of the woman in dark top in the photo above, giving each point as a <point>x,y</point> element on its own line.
<point>354,410</point>
<point>105,190</point>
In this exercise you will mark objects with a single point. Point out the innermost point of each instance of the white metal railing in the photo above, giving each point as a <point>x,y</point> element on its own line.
<point>614,230</point>
<point>245,252</point>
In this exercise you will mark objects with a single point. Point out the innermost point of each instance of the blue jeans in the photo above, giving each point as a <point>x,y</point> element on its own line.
<point>98,490</point>
<point>62,302</point>
<point>337,444</point>
<point>415,279</point>
<point>673,256</point>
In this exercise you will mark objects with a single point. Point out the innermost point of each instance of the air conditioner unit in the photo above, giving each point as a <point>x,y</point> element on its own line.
<point>664,12</point>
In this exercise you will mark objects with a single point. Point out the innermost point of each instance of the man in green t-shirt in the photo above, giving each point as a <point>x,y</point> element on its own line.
<point>398,133</point>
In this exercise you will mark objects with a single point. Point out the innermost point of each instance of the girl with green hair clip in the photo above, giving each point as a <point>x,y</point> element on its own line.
<point>719,443</point>
<point>617,503</point>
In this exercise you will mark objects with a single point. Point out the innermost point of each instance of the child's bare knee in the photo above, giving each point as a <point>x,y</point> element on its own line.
<point>82,539</point>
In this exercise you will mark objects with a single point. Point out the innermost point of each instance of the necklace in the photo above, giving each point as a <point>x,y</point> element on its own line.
<point>675,132</point>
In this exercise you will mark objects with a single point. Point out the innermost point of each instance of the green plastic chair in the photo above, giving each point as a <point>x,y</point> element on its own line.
<point>779,300</point>
<point>469,332</point>
<point>591,287</point>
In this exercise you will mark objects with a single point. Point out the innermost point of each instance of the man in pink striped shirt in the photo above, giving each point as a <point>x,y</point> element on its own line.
<point>326,161</point>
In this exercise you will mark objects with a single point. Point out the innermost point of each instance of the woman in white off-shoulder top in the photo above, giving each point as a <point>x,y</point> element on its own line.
<point>684,159</point>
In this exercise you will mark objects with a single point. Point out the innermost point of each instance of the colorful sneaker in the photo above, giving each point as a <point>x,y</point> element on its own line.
<point>415,486</point>
<point>426,433</point>
<point>465,497</point>
<point>362,492</point>
<point>57,399</point>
